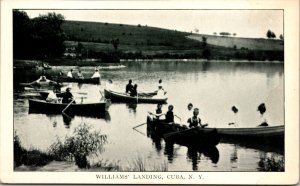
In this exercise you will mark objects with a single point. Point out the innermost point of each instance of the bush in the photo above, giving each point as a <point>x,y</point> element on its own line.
<point>82,144</point>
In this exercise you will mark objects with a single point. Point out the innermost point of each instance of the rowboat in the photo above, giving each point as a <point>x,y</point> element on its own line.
<point>42,106</point>
<point>182,135</point>
<point>262,131</point>
<point>81,80</point>
<point>141,98</point>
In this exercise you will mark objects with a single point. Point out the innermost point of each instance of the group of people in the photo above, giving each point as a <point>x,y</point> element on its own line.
<point>132,89</point>
<point>80,75</point>
<point>192,121</point>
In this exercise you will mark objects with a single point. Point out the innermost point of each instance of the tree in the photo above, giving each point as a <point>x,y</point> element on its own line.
<point>215,33</point>
<point>234,34</point>
<point>206,54</point>
<point>224,33</point>
<point>115,42</point>
<point>196,30</point>
<point>39,37</point>
<point>270,34</point>
<point>204,41</point>
<point>281,36</point>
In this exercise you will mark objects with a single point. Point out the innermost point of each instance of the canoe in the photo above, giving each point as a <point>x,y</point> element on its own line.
<point>80,80</point>
<point>182,135</point>
<point>263,131</point>
<point>142,98</point>
<point>41,106</point>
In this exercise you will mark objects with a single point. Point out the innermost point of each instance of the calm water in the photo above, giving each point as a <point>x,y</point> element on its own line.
<point>212,87</point>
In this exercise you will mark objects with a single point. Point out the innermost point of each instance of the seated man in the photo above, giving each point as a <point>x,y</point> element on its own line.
<point>158,112</point>
<point>195,120</point>
<point>79,75</point>
<point>67,96</point>
<point>170,115</point>
<point>129,87</point>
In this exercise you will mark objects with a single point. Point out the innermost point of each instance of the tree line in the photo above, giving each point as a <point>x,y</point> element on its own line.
<point>37,38</point>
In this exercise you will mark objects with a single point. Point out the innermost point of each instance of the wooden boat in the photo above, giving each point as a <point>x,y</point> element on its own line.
<point>141,98</point>
<point>182,135</point>
<point>262,131</point>
<point>41,106</point>
<point>81,80</point>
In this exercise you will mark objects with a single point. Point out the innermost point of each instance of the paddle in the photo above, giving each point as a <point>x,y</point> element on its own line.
<point>139,125</point>
<point>68,106</point>
<point>178,117</point>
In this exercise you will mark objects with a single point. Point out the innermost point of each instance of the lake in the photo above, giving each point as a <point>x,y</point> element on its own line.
<point>212,87</point>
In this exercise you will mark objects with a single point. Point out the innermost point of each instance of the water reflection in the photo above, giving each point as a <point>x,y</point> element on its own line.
<point>268,145</point>
<point>131,107</point>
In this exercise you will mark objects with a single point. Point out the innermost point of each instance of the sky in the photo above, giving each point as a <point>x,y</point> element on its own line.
<point>245,23</point>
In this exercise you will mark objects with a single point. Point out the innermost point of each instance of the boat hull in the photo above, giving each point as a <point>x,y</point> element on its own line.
<point>79,80</point>
<point>182,135</point>
<point>122,97</point>
<point>88,109</point>
<point>264,132</point>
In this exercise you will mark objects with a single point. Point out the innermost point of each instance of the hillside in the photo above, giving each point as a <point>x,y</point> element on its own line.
<point>239,43</point>
<point>140,41</point>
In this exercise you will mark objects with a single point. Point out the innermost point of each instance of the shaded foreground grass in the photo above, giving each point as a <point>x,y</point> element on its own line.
<point>83,144</point>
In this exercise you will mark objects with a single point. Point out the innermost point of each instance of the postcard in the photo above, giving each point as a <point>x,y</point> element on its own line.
<point>150,92</point>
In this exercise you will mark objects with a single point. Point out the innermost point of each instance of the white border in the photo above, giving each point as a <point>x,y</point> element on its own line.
<point>291,34</point>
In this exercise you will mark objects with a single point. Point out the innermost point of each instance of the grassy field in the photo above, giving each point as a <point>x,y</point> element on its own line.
<point>239,43</point>
<point>164,43</point>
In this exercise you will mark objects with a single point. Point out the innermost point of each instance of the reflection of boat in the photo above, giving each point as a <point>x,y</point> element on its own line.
<point>81,80</point>
<point>183,135</point>
<point>141,98</point>
<point>88,109</point>
<point>256,132</point>
<point>195,152</point>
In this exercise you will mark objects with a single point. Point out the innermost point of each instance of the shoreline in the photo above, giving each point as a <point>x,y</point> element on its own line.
<point>17,63</point>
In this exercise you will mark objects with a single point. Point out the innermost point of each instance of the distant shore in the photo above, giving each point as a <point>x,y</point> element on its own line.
<point>27,64</point>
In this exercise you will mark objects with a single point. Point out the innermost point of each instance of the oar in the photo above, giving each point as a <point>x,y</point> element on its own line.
<point>139,125</point>
<point>140,132</point>
<point>178,117</point>
<point>68,106</point>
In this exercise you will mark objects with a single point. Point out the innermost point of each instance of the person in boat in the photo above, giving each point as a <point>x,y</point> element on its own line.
<point>109,85</point>
<point>67,96</point>
<point>158,112</point>
<point>195,121</point>
<point>70,75</point>
<point>262,109</point>
<point>96,74</point>
<point>129,87</point>
<point>79,75</point>
<point>160,94</point>
<point>189,111</point>
<point>134,91</point>
<point>43,79</point>
<point>170,115</point>
<point>51,97</point>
